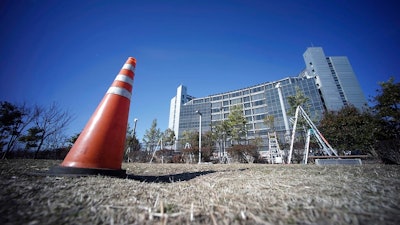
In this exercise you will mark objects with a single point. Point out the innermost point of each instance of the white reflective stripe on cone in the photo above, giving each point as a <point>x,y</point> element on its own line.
<point>120,91</point>
<point>124,78</point>
<point>129,67</point>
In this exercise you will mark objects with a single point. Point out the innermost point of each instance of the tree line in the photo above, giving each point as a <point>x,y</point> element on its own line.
<point>30,129</point>
<point>374,130</point>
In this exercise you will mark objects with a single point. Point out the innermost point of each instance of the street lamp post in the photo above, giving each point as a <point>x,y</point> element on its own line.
<point>221,149</point>
<point>134,127</point>
<point>198,112</point>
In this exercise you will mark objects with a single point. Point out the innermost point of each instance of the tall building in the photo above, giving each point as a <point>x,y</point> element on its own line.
<point>329,83</point>
<point>177,102</point>
<point>335,79</point>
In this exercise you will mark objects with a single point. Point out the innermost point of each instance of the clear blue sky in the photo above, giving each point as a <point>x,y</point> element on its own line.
<point>70,51</point>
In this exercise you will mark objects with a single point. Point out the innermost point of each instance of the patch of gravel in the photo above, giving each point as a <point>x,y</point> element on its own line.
<point>202,194</point>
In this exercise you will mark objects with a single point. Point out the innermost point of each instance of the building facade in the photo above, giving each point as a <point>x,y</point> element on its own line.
<point>329,83</point>
<point>335,79</point>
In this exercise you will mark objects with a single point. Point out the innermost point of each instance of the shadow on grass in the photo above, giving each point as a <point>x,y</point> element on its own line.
<point>83,172</point>
<point>168,178</point>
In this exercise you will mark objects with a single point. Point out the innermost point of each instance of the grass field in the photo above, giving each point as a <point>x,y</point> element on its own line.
<point>202,194</point>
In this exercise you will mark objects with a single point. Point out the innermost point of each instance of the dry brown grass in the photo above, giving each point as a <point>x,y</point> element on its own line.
<point>202,194</point>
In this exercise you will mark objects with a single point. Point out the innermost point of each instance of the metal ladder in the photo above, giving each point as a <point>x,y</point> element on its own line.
<point>275,155</point>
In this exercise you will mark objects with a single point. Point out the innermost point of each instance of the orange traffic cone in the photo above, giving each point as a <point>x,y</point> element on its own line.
<point>99,150</point>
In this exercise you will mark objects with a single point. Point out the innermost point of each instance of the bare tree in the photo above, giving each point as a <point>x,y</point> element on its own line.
<point>13,121</point>
<point>51,121</point>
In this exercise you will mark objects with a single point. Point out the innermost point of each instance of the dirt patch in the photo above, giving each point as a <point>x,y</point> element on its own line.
<point>202,194</point>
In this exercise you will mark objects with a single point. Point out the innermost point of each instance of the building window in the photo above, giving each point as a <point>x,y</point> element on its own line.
<point>216,98</point>
<point>235,94</point>
<point>236,101</point>
<point>260,102</point>
<point>257,89</point>
<point>258,96</point>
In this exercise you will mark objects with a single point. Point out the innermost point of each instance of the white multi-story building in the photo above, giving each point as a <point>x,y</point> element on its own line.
<point>329,83</point>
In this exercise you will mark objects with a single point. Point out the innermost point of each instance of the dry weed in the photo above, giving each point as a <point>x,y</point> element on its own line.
<point>202,194</point>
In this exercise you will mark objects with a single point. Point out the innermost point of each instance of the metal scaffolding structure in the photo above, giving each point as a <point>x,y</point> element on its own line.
<point>326,147</point>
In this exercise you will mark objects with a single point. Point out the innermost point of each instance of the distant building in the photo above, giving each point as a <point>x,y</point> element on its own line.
<point>335,79</point>
<point>328,82</point>
<point>176,104</point>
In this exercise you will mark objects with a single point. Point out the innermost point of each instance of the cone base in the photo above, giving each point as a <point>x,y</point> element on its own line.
<point>77,172</point>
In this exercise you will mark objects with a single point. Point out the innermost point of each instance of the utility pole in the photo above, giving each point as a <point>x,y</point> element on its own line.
<point>198,112</point>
